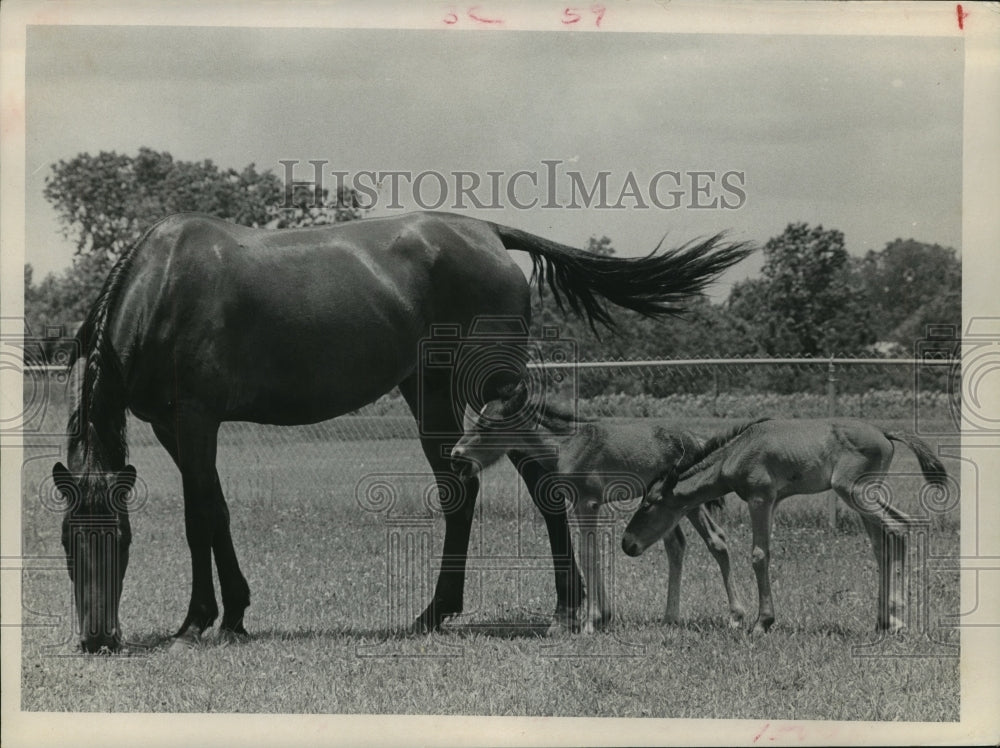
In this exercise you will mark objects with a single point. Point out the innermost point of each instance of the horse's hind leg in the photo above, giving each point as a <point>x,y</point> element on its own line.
<point>674,544</point>
<point>192,445</point>
<point>569,583</point>
<point>715,538</point>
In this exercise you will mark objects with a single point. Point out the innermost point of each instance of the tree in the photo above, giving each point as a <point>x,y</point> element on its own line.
<point>911,285</point>
<point>106,202</point>
<point>808,301</point>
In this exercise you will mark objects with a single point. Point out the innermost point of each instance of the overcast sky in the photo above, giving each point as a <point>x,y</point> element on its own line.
<point>861,134</point>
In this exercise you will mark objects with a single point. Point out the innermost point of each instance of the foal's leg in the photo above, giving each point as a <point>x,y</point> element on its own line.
<point>674,544</point>
<point>569,583</point>
<point>715,538</point>
<point>597,608</point>
<point>886,528</point>
<point>761,512</point>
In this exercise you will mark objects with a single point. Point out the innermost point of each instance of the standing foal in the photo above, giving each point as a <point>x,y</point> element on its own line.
<point>768,460</point>
<point>595,463</point>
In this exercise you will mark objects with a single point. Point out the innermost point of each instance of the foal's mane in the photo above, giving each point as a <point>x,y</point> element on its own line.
<point>552,416</point>
<point>697,460</point>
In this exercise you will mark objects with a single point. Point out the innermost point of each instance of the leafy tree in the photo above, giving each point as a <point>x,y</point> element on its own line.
<point>911,285</point>
<point>105,203</point>
<point>808,301</point>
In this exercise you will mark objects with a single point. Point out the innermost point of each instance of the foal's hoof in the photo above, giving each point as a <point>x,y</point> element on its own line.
<point>759,629</point>
<point>737,620</point>
<point>558,628</point>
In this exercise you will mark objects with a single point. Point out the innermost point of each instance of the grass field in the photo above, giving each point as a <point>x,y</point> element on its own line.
<point>333,584</point>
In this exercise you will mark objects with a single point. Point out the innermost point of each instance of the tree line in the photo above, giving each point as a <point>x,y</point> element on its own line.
<point>812,298</point>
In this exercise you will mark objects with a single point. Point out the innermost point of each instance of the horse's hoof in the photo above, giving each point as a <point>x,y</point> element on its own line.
<point>182,644</point>
<point>423,627</point>
<point>736,620</point>
<point>187,639</point>
<point>671,620</point>
<point>232,636</point>
<point>759,629</point>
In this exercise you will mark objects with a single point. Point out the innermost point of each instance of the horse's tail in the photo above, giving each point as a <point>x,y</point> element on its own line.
<point>930,465</point>
<point>655,285</point>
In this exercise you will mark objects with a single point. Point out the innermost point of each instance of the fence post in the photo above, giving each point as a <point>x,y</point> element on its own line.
<point>831,412</point>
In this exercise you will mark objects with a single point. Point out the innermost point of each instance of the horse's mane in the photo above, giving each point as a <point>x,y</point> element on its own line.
<point>694,461</point>
<point>97,425</point>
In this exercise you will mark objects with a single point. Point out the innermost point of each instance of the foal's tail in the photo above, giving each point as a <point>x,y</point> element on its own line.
<point>655,285</point>
<point>930,465</point>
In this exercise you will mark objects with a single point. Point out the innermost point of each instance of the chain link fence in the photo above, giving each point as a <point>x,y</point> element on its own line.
<point>917,395</point>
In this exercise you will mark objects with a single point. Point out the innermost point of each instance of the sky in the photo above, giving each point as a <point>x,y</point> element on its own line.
<point>860,134</point>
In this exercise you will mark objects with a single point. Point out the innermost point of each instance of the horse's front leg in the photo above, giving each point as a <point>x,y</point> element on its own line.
<point>761,511</point>
<point>192,444</point>
<point>715,539</point>
<point>235,590</point>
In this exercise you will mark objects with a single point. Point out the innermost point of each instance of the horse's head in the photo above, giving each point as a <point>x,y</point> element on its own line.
<point>659,514</point>
<point>96,535</point>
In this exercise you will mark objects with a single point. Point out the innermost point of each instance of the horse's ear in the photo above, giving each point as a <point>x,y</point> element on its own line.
<point>126,478</point>
<point>63,479</point>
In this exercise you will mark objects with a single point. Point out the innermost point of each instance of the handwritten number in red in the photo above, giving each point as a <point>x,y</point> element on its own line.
<point>570,16</point>
<point>962,15</point>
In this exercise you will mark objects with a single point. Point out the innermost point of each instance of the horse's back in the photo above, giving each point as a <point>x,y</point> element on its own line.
<point>297,325</point>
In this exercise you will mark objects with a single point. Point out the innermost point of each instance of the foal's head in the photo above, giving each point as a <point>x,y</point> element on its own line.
<point>488,433</point>
<point>659,514</point>
<point>484,439</point>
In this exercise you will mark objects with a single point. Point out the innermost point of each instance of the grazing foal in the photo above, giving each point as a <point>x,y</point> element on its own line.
<point>767,460</point>
<point>595,463</point>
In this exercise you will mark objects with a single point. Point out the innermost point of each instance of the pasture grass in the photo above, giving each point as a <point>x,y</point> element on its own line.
<point>328,619</point>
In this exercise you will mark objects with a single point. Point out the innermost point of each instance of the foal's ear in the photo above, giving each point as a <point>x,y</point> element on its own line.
<point>514,396</point>
<point>63,479</point>
<point>669,481</point>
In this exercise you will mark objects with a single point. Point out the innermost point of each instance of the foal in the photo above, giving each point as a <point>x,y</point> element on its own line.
<point>766,461</point>
<point>594,461</point>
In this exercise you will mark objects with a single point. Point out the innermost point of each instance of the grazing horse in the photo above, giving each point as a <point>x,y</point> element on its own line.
<point>768,460</point>
<point>203,321</point>
<point>594,463</point>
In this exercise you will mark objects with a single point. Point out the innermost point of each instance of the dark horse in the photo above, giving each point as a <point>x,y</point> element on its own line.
<point>204,321</point>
